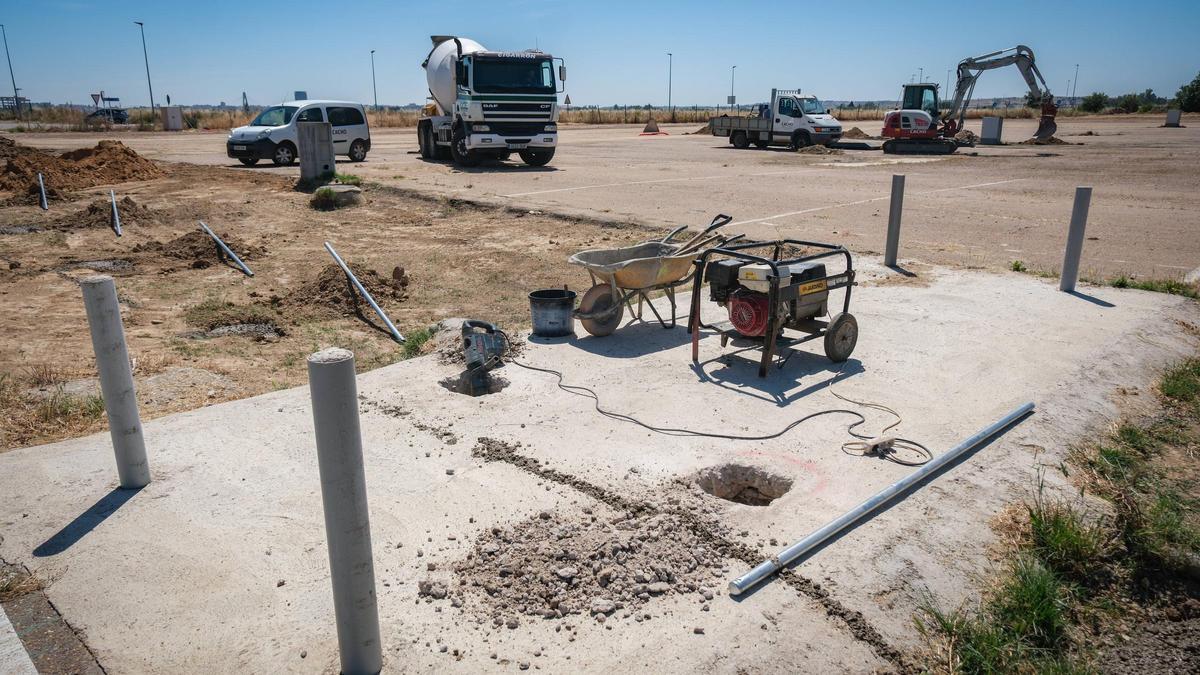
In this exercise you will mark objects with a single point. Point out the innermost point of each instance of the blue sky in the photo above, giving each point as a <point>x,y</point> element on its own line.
<point>616,51</point>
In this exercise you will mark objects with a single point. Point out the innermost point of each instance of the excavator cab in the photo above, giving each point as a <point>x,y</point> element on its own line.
<point>922,96</point>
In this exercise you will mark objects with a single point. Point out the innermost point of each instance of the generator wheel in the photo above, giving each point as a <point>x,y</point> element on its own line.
<point>598,299</point>
<point>840,337</point>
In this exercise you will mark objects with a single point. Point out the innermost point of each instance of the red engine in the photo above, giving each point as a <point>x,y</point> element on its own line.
<point>748,312</point>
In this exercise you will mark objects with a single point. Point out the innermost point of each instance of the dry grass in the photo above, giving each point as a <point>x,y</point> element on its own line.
<point>26,415</point>
<point>15,582</point>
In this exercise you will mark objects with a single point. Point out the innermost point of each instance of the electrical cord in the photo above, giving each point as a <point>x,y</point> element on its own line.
<point>867,446</point>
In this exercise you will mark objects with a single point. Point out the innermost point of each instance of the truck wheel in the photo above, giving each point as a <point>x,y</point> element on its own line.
<point>537,157</point>
<point>358,151</point>
<point>284,155</point>
<point>739,140</point>
<point>424,141</point>
<point>458,148</point>
<point>801,139</point>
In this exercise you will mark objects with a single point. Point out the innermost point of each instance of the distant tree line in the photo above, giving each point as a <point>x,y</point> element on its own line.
<point>1186,99</point>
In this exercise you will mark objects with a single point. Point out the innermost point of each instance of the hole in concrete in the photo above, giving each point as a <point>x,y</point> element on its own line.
<point>743,484</point>
<point>458,384</point>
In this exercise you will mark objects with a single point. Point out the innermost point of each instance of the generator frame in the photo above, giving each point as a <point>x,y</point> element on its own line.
<point>780,289</point>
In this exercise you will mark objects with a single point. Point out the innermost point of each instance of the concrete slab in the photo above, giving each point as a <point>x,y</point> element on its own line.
<point>220,563</point>
<point>14,660</point>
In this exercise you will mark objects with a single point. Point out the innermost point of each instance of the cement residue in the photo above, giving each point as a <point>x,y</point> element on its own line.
<point>108,162</point>
<point>331,292</point>
<point>199,248</point>
<point>685,514</point>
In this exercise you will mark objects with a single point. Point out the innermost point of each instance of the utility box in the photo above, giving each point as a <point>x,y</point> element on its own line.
<point>172,118</point>
<point>1173,118</point>
<point>992,128</point>
<point>316,151</point>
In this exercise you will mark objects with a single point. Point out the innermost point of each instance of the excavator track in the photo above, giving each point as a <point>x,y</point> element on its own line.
<point>919,146</point>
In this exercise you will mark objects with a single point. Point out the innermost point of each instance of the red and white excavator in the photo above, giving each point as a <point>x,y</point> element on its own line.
<point>921,127</point>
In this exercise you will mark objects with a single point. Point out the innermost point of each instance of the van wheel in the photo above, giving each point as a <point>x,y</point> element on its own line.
<point>801,140</point>
<point>739,140</point>
<point>458,148</point>
<point>537,157</point>
<point>358,151</point>
<point>284,155</point>
<point>248,161</point>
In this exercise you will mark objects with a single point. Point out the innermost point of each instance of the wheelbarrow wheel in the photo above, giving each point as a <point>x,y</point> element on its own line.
<point>840,337</point>
<point>599,299</point>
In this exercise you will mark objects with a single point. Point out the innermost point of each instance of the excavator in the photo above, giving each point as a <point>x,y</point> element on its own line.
<point>920,127</point>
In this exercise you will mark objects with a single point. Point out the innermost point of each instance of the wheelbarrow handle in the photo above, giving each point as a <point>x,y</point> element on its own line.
<point>721,220</point>
<point>672,234</point>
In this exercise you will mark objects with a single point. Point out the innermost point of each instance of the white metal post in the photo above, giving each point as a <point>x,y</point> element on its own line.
<point>344,498</point>
<point>893,233</point>
<point>1079,215</point>
<point>116,380</point>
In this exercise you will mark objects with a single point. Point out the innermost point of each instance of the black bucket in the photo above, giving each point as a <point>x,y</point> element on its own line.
<point>551,311</point>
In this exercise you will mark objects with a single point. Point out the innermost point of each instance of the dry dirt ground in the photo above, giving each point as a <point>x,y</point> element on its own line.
<point>982,207</point>
<point>191,349</point>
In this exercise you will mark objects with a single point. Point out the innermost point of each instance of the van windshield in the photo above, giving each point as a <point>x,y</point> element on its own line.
<point>276,116</point>
<point>811,106</point>
<point>521,76</point>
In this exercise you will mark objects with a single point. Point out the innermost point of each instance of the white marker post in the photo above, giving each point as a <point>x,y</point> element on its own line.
<point>1079,216</point>
<point>893,233</point>
<point>344,497</point>
<point>116,380</point>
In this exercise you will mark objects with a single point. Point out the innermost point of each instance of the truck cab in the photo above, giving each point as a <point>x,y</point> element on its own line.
<point>789,119</point>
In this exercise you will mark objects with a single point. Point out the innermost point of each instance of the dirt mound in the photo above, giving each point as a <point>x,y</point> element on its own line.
<point>331,293</point>
<point>99,214</point>
<point>702,130</point>
<point>858,134</point>
<point>31,196</point>
<point>108,162</point>
<point>966,136</point>
<point>199,248</point>
<point>819,150</point>
<point>1053,140</point>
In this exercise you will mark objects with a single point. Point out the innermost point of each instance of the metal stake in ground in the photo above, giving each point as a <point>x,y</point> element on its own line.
<point>344,498</point>
<point>42,194</point>
<point>363,292</point>
<point>116,380</point>
<point>790,554</point>
<point>221,247</point>
<point>116,216</point>
<point>1079,214</point>
<point>893,233</point>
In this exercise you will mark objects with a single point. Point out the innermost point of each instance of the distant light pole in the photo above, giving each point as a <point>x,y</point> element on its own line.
<point>373,90</point>
<point>1075,82</point>
<point>921,76</point>
<point>732,73</point>
<point>146,56</point>
<point>670,75</point>
<point>16,97</point>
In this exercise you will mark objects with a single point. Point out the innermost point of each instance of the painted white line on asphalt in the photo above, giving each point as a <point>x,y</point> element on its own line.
<point>867,201</point>
<point>13,657</point>
<point>650,182</point>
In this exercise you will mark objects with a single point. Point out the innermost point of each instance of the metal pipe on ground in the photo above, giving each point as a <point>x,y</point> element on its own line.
<point>1079,216</point>
<point>363,292</point>
<point>223,247</point>
<point>790,554</point>
<point>116,216</point>
<point>42,194</point>
<point>116,380</point>
<point>894,212</point>
<point>344,498</point>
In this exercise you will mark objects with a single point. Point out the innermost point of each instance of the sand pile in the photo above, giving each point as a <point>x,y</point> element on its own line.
<point>99,214</point>
<point>702,130</point>
<point>819,150</point>
<point>966,136</point>
<point>108,162</point>
<point>199,248</point>
<point>1053,140</point>
<point>331,293</point>
<point>858,134</point>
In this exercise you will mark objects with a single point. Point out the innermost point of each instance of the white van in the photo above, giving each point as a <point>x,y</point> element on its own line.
<point>273,134</point>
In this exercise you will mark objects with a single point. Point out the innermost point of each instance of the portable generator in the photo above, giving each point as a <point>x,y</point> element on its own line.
<point>766,295</point>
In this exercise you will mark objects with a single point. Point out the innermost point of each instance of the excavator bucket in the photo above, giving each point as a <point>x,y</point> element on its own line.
<point>1046,129</point>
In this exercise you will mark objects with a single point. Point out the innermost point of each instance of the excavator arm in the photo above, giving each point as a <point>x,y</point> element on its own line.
<point>969,71</point>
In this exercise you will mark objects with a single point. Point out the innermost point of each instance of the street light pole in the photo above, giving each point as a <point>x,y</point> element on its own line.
<point>1075,82</point>
<point>146,56</point>
<point>16,97</point>
<point>670,76</point>
<point>732,73</point>
<point>921,77</point>
<point>373,90</point>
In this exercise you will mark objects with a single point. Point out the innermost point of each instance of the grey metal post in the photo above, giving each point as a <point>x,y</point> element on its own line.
<point>1079,214</point>
<point>116,380</point>
<point>893,233</point>
<point>16,92</point>
<point>344,498</point>
<point>42,194</point>
<point>115,217</point>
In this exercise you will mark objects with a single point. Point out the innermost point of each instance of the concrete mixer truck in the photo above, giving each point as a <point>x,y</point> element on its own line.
<point>489,104</point>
